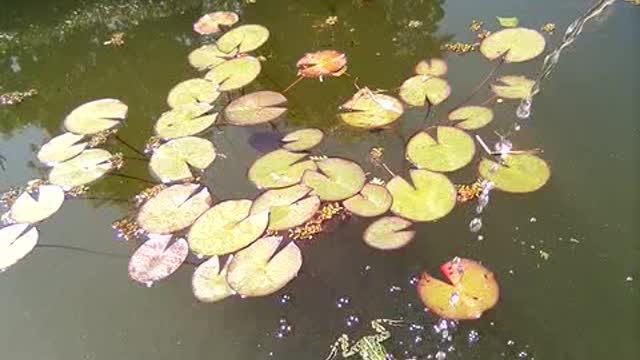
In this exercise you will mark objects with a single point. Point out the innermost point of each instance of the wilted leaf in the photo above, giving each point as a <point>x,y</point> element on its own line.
<point>255,108</point>
<point>450,150</point>
<point>209,56</point>
<point>388,233</point>
<point>338,179</point>
<point>519,174</point>
<point>235,73</point>
<point>431,67</point>
<point>303,139</point>
<point>367,109</point>
<point>322,63</point>
<point>16,242</point>
<point>279,168</point>
<point>513,87</point>
<point>193,91</point>
<point>471,117</point>
<point>373,200</point>
<point>172,160</point>
<point>517,45</point>
<point>89,166</point>
<point>185,120</point>
<point>209,284</point>
<point>27,209</point>
<point>420,89</point>
<point>154,261</point>
<point>243,39</point>
<point>96,116</point>
<point>215,22</point>
<point>61,148</point>
<point>287,207</point>
<point>508,22</point>
<point>431,197</point>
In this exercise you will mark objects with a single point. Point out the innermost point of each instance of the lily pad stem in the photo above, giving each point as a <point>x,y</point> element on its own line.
<point>484,81</point>
<point>293,84</point>
<point>129,146</point>
<point>384,166</point>
<point>81,249</point>
<point>132,178</point>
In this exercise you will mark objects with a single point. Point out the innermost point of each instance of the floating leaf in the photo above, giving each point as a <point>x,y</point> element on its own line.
<point>174,208</point>
<point>89,166</point>
<point>154,261</point>
<point>26,209</point>
<point>517,45</point>
<point>431,197</point>
<point>279,168</point>
<point>185,120</point>
<point>255,271</point>
<point>373,200</point>
<point>322,63</point>
<point>209,284</point>
<point>255,108</point>
<point>513,87</point>
<point>473,290</point>
<point>61,148</point>
<point>172,160</point>
<point>235,73</point>
<point>369,110</point>
<point>419,89</point>
<point>471,117</point>
<point>243,39</point>
<point>209,56</point>
<point>215,22</point>
<point>451,150</point>
<point>508,22</point>
<point>519,174</point>
<point>193,91</point>
<point>287,207</point>
<point>16,242</point>
<point>338,179</point>
<point>388,233</point>
<point>431,67</point>
<point>226,228</point>
<point>303,139</point>
<point>96,116</point>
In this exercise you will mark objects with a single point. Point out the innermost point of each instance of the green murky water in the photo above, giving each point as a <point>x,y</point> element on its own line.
<point>580,303</point>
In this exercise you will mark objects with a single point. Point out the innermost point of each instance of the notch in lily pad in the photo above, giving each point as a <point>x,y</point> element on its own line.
<point>303,139</point>
<point>451,149</point>
<point>209,283</point>
<point>61,148</point>
<point>431,197</point>
<point>209,56</point>
<point>173,161</point>
<point>279,168</point>
<point>288,207</point>
<point>389,233</point>
<point>16,242</point>
<point>85,168</point>
<point>372,200</point>
<point>370,110</point>
<point>157,258</point>
<point>255,108</point>
<point>337,179</point>
<point>37,205</point>
<point>235,73</point>
<point>243,39</point>
<point>421,90</point>
<point>185,120</point>
<point>96,116</point>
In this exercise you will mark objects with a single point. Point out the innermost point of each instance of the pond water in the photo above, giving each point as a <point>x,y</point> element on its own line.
<point>580,302</point>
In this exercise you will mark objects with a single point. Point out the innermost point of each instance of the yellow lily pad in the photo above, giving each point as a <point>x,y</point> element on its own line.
<point>519,174</point>
<point>87,167</point>
<point>185,120</point>
<point>516,44</point>
<point>235,73</point>
<point>28,209</point>
<point>338,179</point>
<point>373,200</point>
<point>389,233</point>
<point>288,207</point>
<point>431,67</point>
<point>193,91</point>
<point>302,139</point>
<point>451,150</point>
<point>209,56</point>
<point>61,148</point>
<point>279,168</point>
<point>243,39</point>
<point>370,110</point>
<point>431,197</point>
<point>96,116</point>
<point>471,117</point>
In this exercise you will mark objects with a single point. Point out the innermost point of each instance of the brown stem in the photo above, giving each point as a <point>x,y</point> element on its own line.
<point>132,178</point>
<point>293,84</point>
<point>483,82</point>
<point>129,146</point>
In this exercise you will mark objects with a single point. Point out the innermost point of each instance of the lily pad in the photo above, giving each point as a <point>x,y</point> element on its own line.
<point>16,242</point>
<point>185,120</point>
<point>421,90</point>
<point>255,271</point>
<point>279,168</point>
<point>287,207</point>
<point>513,87</point>
<point>173,160</point>
<point>193,91</point>
<point>431,197</point>
<point>451,150</point>
<point>96,116</point>
<point>27,209</point>
<point>303,139</point>
<point>508,22</point>
<point>431,67</point>
<point>389,233</point>
<point>370,110</point>
<point>322,63</point>
<point>517,45</point>
<point>209,284</point>
<point>235,73</point>
<point>473,290</point>
<point>519,174</point>
<point>373,200</point>
<point>471,117</point>
<point>215,22</point>
<point>156,259</point>
<point>89,166</point>
<point>209,56</point>
<point>243,39</point>
<point>61,148</point>
<point>338,179</point>
<point>174,208</point>
<point>255,108</point>
<point>226,228</point>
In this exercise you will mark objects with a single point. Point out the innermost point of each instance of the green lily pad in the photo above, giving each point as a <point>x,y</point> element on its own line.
<point>185,120</point>
<point>226,228</point>
<point>174,208</point>
<point>287,207</point>
<point>513,87</point>
<point>256,271</point>
<point>303,139</point>
<point>279,168</point>
<point>87,167</point>
<point>27,209</point>
<point>431,197</point>
<point>16,242</point>
<point>520,173</point>
<point>172,160</point>
<point>420,89</point>
<point>255,108</point>
<point>370,110</point>
<point>473,290</point>
<point>208,283</point>
<point>517,45</point>
<point>373,200</point>
<point>471,117</point>
<point>96,116</point>
<point>452,149</point>
<point>235,73</point>
<point>209,56</point>
<point>193,91</point>
<point>431,67</point>
<point>61,148</point>
<point>243,39</point>
<point>508,22</point>
<point>338,179</point>
<point>388,233</point>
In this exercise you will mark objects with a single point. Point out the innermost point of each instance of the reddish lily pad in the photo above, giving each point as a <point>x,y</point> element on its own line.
<point>389,233</point>
<point>208,283</point>
<point>451,150</point>
<point>338,179</point>
<point>255,108</point>
<point>431,197</point>
<point>279,168</point>
<point>156,259</point>
<point>322,63</point>
<point>16,242</point>
<point>28,209</point>
<point>215,22</point>
<point>373,200</point>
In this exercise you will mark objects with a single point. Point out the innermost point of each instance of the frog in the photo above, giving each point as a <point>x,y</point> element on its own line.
<point>369,347</point>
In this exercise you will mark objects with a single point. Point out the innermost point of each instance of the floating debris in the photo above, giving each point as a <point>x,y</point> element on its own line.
<point>314,226</point>
<point>126,229</point>
<point>116,40</point>
<point>468,192</point>
<point>16,97</point>
<point>460,48</point>
<point>414,24</point>
<point>549,28</point>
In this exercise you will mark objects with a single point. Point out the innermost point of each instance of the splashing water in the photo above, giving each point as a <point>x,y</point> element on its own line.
<point>475,225</point>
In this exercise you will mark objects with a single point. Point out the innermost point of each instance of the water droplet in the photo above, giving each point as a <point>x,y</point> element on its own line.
<point>285,328</point>
<point>511,342</point>
<point>522,355</point>
<point>343,302</point>
<point>524,109</point>
<point>475,225</point>
<point>418,339</point>
<point>629,278</point>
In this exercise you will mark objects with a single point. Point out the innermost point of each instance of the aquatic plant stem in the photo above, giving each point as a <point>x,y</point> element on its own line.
<point>132,178</point>
<point>296,81</point>
<point>483,82</point>
<point>384,166</point>
<point>81,249</point>
<point>129,146</point>
<point>135,158</point>
<point>428,113</point>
